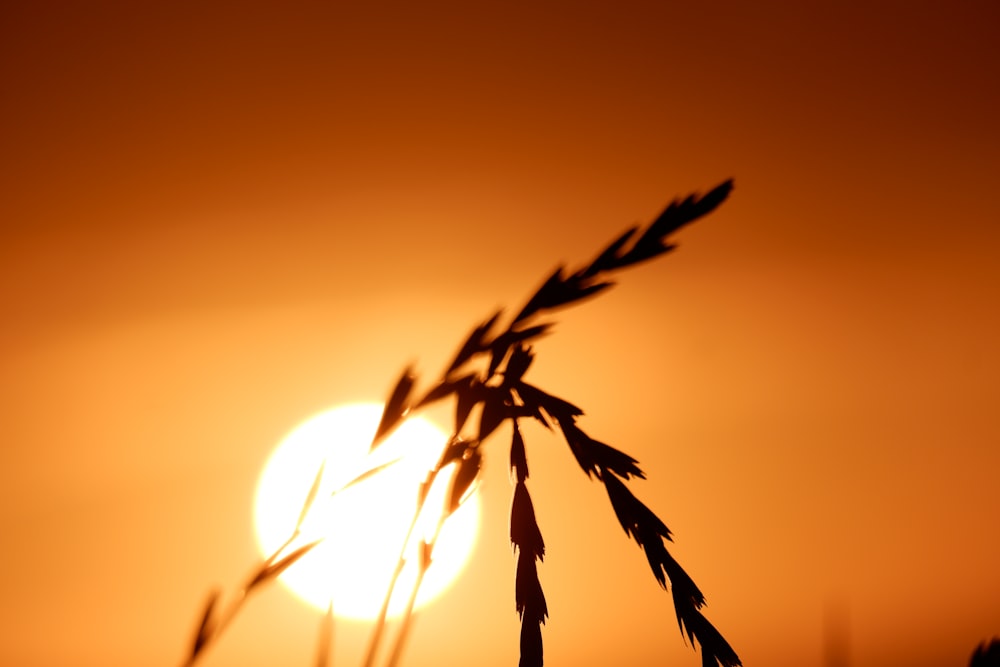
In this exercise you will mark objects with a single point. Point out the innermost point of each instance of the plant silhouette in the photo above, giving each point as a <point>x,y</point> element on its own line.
<point>986,654</point>
<point>486,381</point>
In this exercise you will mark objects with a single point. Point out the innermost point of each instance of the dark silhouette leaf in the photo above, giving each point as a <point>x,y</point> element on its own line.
<point>647,247</point>
<point>524,531</point>
<point>636,519</point>
<point>534,398</point>
<point>510,338</point>
<point>474,343</point>
<point>468,471</point>
<point>575,289</point>
<point>518,458</point>
<point>662,563</point>
<point>559,291</point>
<point>987,654</point>
<point>653,547</point>
<point>542,296</point>
<point>676,215</point>
<point>533,411</point>
<point>594,456</point>
<point>395,408</point>
<point>207,625</point>
<point>679,213</point>
<point>468,396</point>
<point>443,389</point>
<point>520,359</point>
<point>497,356</point>
<point>608,259</point>
<point>533,605</point>
<point>455,451</point>
<point>494,411</point>
<point>715,650</point>
<point>614,460</point>
<point>513,337</point>
<point>528,596</point>
<point>649,532</point>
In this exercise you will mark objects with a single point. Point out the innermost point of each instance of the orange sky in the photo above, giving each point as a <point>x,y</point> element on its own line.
<point>219,221</point>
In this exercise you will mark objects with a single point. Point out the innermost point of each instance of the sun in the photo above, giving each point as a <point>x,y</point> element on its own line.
<point>364,525</point>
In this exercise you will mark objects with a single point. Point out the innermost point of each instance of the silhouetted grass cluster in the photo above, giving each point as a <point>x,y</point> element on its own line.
<point>987,654</point>
<point>486,381</point>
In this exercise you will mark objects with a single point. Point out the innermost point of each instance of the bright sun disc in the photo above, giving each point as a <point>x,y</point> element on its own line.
<point>363,526</point>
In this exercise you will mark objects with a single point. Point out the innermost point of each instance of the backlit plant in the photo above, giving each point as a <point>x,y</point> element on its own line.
<point>487,382</point>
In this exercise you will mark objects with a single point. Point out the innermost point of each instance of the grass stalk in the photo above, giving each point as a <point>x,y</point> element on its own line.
<point>424,564</point>
<point>324,647</point>
<point>378,626</point>
<point>495,389</point>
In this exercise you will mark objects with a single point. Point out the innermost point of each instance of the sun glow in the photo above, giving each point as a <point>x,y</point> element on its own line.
<point>363,526</point>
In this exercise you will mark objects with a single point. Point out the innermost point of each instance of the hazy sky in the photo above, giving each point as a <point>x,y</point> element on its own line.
<point>219,219</point>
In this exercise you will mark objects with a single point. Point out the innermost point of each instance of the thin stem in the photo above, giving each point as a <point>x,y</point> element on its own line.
<point>425,563</point>
<point>379,625</point>
<point>287,543</point>
<point>235,605</point>
<point>220,626</point>
<point>324,652</point>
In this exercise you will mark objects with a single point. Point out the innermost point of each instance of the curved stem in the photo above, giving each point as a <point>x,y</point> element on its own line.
<point>379,625</point>
<point>220,625</point>
<point>324,650</point>
<point>425,563</point>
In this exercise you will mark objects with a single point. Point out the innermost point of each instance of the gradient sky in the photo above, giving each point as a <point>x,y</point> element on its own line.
<point>221,218</point>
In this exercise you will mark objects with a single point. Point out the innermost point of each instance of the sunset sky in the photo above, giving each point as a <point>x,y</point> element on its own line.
<point>219,219</point>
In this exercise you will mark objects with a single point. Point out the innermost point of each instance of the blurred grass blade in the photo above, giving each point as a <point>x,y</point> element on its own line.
<point>518,458</point>
<point>207,625</point>
<point>494,411</point>
<point>610,256</point>
<point>541,297</point>
<point>468,471</point>
<point>368,473</point>
<point>524,530</point>
<point>443,389</point>
<point>311,497</point>
<point>273,571</point>
<point>468,396</point>
<point>680,213</point>
<point>396,407</point>
<point>325,645</point>
<point>474,343</point>
<point>454,451</point>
